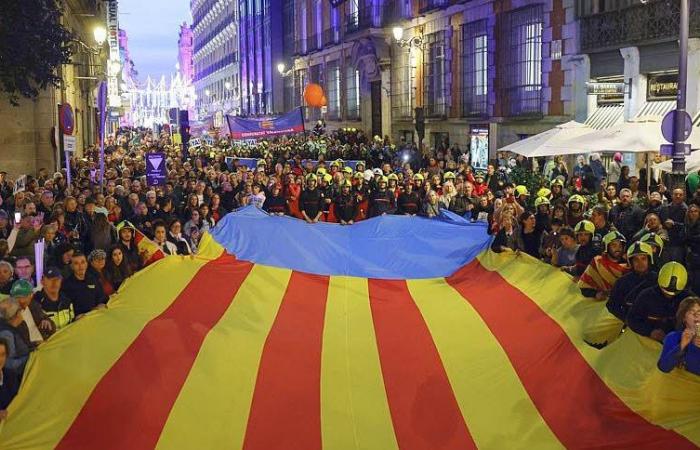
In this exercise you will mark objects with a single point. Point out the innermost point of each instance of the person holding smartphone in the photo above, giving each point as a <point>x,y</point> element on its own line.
<point>682,347</point>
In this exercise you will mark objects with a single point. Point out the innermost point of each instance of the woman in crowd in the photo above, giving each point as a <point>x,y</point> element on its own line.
<point>431,208</point>
<point>102,233</point>
<point>682,347</point>
<point>116,268</point>
<point>160,235</point>
<point>530,237</point>
<point>176,237</point>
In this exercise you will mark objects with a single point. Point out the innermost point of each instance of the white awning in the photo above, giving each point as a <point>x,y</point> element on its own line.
<point>546,143</point>
<point>656,110</point>
<point>605,116</point>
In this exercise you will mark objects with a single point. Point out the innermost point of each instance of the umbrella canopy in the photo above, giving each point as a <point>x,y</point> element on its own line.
<point>692,163</point>
<point>634,137</point>
<point>547,142</point>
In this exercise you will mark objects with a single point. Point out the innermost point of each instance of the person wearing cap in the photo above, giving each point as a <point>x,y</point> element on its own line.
<point>97,260</point>
<point>605,269</point>
<point>18,348</point>
<point>55,304</point>
<point>37,325</point>
<point>653,311</point>
<point>83,287</point>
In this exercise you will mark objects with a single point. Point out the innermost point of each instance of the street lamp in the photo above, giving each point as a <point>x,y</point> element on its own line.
<point>281,68</point>
<point>415,41</point>
<point>207,92</point>
<point>100,35</point>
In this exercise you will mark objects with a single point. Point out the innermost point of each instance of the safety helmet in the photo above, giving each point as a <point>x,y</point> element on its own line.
<point>640,248</point>
<point>449,176</point>
<point>393,176</point>
<point>347,169</point>
<point>673,277</point>
<point>262,162</point>
<point>125,224</point>
<point>327,178</point>
<point>557,182</point>
<point>480,174</point>
<point>544,192</point>
<point>321,171</point>
<point>311,177</point>
<point>541,201</point>
<point>418,177</point>
<point>377,171</point>
<point>358,176</point>
<point>346,183</point>
<point>654,240</point>
<point>335,163</point>
<point>584,226</point>
<point>614,235</point>
<point>382,179</point>
<point>577,199</point>
<point>521,190</point>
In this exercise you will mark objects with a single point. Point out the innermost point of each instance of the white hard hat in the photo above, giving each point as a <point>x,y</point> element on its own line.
<point>378,171</point>
<point>368,175</point>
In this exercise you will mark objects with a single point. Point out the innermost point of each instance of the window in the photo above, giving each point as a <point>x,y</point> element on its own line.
<point>333,89</point>
<point>402,84</point>
<point>475,69</point>
<point>352,101</point>
<point>436,67</point>
<point>522,53</point>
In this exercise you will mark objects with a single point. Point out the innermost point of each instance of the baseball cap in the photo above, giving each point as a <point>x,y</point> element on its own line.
<point>52,272</point>
<point>21,288</point>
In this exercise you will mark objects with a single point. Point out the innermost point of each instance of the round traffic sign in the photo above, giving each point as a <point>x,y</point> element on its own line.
<point>669,122</point>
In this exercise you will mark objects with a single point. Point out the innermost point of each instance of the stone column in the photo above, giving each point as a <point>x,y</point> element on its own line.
<point>637,82</point>
<point>577,72</point>
<point>693,92</point>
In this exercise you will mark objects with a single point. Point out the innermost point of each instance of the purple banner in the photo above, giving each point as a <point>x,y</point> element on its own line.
<point>292,122</point>
<point>156,171</point>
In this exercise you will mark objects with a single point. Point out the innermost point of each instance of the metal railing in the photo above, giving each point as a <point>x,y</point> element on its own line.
<point>655,21</point>
<point>331,36</point>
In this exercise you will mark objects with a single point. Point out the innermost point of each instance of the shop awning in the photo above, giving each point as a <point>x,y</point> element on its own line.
<point>546,143</point>
<point>656,110</point>
<point>606,116</point>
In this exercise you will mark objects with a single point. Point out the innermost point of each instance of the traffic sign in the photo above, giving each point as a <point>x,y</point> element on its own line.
<point>669,122</point>
<point>66,119</point>
<point>667,149</point>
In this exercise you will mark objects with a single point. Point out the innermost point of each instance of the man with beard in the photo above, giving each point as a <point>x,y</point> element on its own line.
<point>599,217</point>
<point>627,217</point>
<point>604,270</point>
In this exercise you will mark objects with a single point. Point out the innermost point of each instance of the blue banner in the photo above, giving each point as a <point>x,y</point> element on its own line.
<point>240,128</point>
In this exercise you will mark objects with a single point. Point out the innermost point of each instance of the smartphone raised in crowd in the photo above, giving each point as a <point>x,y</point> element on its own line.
<point>18,217</point>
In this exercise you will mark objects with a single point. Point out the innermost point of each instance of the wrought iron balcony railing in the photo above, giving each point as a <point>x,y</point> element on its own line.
<point>656,21</point>
<point>312,43</point>
<point>331,36</point>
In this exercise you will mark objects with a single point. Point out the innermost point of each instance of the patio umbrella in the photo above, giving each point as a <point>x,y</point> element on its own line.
<point>547,142</point>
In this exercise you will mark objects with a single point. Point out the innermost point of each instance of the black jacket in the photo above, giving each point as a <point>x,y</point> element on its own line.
<point>652,310</point>
<point>626,290</point>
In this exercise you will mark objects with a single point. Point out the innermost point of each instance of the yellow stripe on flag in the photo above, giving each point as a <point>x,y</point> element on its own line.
<point>354,408</point>
<point>498,413</point>
<point>627,366</point>
<point>219,389</point>
<point>77,361</point>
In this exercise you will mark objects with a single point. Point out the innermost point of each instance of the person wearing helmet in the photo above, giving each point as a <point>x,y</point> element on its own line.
<point>640,257</point>
<point>382,201</point>
<point>682,346</point>
<point>481,185</point>
<point>586,252</point>
<point>325,188</point>
<point>605,269</point>
<point>521,194</point>
<point>558,194</point>
<point>653,311</point>
<point>393,186</point>
<point>347,172</point>
<point>311,201</point>
<point>657,244</point>
<point>409,202</point>
<point>576,207</point>
<point>604,327</point>
<point>626,216</point>
<point>345,204</point>
<point>543,216</point>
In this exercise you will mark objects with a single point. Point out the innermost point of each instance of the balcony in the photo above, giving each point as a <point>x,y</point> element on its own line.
<point>363,19</point>
<point>331,37</point>
<point>425,6</point>
<point>653,22</point>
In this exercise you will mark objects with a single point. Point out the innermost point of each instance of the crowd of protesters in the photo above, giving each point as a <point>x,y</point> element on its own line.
<point>635,247</point>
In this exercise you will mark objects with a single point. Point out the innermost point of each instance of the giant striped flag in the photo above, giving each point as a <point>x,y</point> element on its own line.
<point>218,352</point>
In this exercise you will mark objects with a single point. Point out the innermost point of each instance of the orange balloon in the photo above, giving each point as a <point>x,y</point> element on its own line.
<point>324,101</point>
<point>313,94</point>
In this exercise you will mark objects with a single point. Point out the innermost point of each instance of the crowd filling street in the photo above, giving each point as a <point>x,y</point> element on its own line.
<point>629,244</point>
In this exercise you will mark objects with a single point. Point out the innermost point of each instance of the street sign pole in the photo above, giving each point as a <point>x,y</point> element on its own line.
<point>678,167</point>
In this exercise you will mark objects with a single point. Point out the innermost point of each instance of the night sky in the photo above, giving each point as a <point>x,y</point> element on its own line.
<point>153,28</point>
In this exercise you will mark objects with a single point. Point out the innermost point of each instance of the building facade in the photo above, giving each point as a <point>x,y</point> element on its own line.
<point>490,70</point>
<point>215,59</point>
<point>633,47</point>
<point>129,80</point>
<point>29,134</point>
<point>185,47</point>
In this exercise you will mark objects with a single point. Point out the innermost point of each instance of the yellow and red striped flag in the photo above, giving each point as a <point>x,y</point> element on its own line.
<point>230,354</point>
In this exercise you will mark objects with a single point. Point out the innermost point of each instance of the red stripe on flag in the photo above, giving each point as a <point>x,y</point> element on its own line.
<point>423,407</point>
<point>286,407</point>
<point>576,404</point>
<point>129,406</point>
